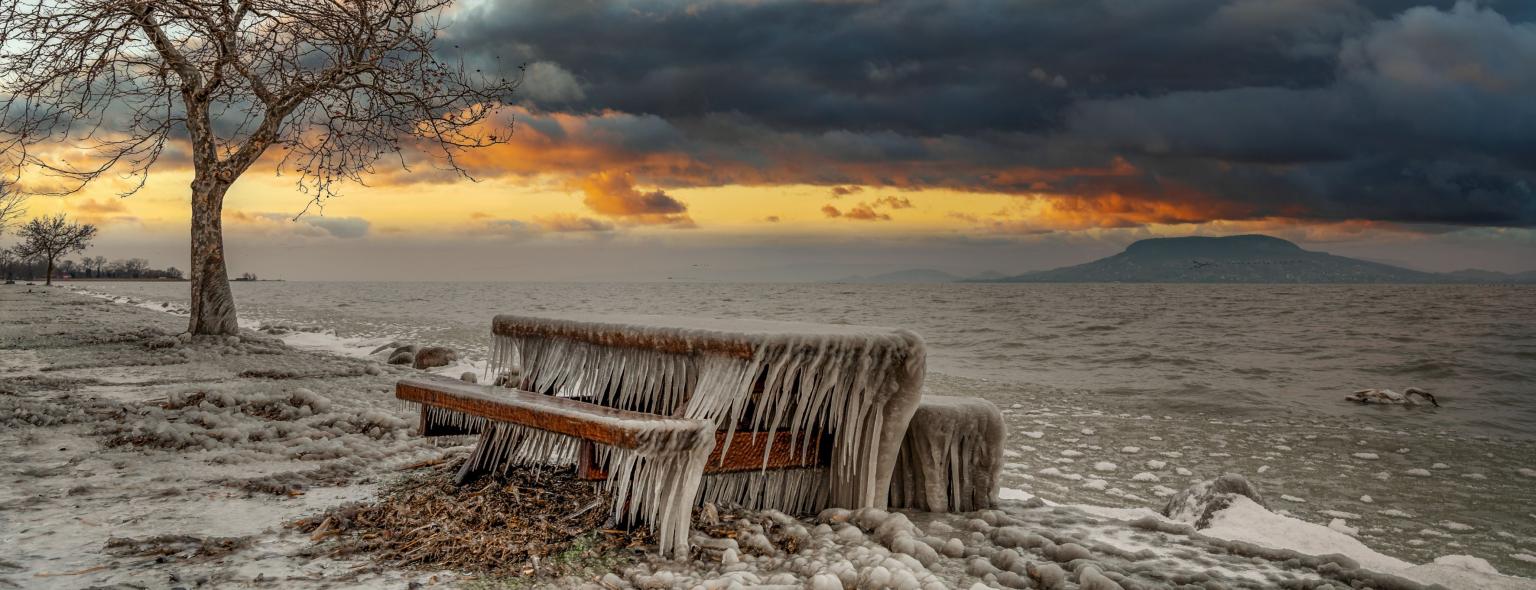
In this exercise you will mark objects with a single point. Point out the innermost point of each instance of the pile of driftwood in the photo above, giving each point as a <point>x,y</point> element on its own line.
<point>530,521</point>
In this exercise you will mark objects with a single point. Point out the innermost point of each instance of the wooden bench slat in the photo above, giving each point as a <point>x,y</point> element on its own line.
<point>608,426</point>
<point>745,454</point>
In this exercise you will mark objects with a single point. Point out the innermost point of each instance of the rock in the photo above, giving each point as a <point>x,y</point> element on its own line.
<point>1203,500</point>
<point>1090,578</point>
<point>826,582</point>
<point>1047,575</point>
<point>469,377</point>
<point>402,357</point>
<point>435,356</point>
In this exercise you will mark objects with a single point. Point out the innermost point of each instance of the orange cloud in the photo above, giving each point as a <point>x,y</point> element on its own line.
<point>107,210</point>
<point>613,194</point>
<point>863,212</point>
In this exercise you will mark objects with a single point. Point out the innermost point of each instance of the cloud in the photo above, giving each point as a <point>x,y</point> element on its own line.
<point>1325,110</point>
<point>893,202</point>
<point>1099,113</point>
<point>547,84</point>
<point>863,212</point>
<point>346,228</point>
<point>99,208</point>
<point>859,212</point>
<point>573,224</point>
<point>613,194</point>
<point>312,226</point>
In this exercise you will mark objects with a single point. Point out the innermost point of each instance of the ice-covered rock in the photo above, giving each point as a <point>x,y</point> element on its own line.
<point>434,356</point>
<point>1197,504</point>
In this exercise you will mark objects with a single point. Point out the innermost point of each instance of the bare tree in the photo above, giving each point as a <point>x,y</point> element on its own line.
<point>10,205</point>
<point>321,88</point>
<point>99,263</point>
<point>48,238</point>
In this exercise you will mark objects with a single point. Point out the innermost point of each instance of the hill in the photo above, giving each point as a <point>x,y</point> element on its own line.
<point>1232,259</point>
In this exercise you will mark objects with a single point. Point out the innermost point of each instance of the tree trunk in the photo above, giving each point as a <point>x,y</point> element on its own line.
<point>213,306</point>
<point>48,279</point>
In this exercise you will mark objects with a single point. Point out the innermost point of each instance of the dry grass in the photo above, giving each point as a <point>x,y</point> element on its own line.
<point>536,521</point>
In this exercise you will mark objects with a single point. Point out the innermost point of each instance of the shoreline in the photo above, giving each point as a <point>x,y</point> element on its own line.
<point>101,363</point>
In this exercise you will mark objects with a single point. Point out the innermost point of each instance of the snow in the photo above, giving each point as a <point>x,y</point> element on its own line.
<point>1418,472</point>
<point>1105,466</point>
<point>1339,525</point>
<point>1245,520</point>
<point>1366,456</point>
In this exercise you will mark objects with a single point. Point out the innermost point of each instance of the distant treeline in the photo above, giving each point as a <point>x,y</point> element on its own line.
<point>89,267</point>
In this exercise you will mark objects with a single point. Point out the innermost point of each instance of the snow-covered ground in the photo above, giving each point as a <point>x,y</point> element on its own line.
<point>132,457</point>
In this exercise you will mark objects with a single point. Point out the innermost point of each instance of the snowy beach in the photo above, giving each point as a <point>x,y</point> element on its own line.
<point>137,458</point>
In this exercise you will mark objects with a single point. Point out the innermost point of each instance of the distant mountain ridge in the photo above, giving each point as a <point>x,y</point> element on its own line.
<point>1249,258</point>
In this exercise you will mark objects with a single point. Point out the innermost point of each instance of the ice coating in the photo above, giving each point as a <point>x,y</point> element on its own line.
<point>859,383</point>
<point>951,457</point>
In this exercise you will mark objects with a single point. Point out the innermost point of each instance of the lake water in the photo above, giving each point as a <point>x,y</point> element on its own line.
<point>1163,383</point>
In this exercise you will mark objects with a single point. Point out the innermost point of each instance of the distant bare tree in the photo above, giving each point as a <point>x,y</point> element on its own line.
<point>8,260</point>
<point>329,86</point>
<point>135,267</point>
<point>10,205</point>
<point>48,238</point>
<point>99,263</point>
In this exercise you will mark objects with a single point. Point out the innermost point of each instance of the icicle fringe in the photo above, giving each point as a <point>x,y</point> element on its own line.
<point>654,483</point>
<point>795,491</point>
<point>951,458</point>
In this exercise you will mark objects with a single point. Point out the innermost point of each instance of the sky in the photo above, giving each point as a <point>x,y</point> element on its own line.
<point>793,140</point>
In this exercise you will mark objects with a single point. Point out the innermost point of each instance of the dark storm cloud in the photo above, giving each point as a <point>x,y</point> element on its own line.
<point>1394,110</point>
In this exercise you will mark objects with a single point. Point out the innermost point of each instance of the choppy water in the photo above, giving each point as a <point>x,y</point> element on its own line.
<point>1208,378</point>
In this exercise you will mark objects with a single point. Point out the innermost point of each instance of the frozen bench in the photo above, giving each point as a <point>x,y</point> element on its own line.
<point>671,412</point>
<point>807,415</point>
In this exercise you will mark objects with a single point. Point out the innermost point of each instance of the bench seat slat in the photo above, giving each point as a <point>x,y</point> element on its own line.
<point>608,426</point>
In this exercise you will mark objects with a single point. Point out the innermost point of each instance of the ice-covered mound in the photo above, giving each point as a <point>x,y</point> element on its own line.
<point>1034,545</point>
<point>1247,522</point>
<point>1198,504</point>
